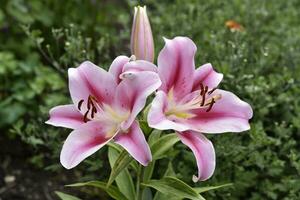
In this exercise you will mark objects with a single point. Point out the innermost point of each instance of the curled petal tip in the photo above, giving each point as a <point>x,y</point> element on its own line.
<point>195,179</point>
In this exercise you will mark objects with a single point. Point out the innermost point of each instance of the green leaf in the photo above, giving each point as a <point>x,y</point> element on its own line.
<point>148,171</point>
<point>208,188</point>
<point>154,136</point>
<point>123,180</point>
<point>147,195</point>
<point>145,128</point>
<point>112,191</point>
<point>117,147</point>
<point>64,196</point>
<point>121,163</point>
<point>162,145</point>
<point>174,187</point>
<point>169,172</point>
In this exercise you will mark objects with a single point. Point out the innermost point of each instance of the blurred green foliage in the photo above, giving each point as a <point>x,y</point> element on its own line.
<point>40,40</point>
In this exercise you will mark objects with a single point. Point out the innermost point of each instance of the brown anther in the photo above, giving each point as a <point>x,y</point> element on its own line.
<point>211,105</point>
<point>94,110</point>
<point>92,113</point>
<point>80,104</point>
<point>201,89</point>
<point>203,93</point>
<point>212,90</point>
<point>85,119</point>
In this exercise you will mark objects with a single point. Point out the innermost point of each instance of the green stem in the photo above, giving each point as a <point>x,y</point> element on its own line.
<point>139,180</point>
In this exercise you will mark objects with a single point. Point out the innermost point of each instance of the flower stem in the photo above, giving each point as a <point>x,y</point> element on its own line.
<point>139,179</point>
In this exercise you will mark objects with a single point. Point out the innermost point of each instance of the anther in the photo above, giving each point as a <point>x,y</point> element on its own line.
<point>94,110</point>
<point>80,104</point>
<point>213,101</point>
<point>211,105</point>
<point>203,92</point>
<point>212,90</point>
<point>201,89</point>
<point>92,114</point>
<point>85,119</point>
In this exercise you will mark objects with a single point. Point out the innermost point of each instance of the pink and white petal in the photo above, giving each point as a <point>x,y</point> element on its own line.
<point>116,68</point>
<point>83,142</point>
<point>140,65</point>
<point>206,75</point>
<point>156,116</point>
<point>176,65</point>
<point>132,93</point>
<point>133,140</point>
<point>89,79</point>
<point>65,116</point>
<point>204,153</point>
<point>229,114</point>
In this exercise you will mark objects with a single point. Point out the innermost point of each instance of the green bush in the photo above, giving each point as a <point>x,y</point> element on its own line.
<point>261,65</point>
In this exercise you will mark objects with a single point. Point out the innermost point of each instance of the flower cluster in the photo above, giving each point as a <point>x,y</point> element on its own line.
<point>106,103</point>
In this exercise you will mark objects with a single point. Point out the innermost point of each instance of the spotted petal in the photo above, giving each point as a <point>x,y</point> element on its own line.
<point>89,79</point>
<point>207,76</point>
<point>176,66</point>
<point>229,114</point>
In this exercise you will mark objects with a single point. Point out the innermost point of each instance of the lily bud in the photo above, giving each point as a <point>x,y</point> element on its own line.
<point>142,45</point>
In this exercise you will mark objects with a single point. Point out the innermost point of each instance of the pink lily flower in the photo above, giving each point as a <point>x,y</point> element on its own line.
<point>189,102</point>
<point>105,105</point>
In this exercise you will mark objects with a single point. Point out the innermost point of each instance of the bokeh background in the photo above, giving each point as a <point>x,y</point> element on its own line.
<point>41,39</point>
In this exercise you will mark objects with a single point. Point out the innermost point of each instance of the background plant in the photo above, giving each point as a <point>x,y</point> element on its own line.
<point>261,65</point>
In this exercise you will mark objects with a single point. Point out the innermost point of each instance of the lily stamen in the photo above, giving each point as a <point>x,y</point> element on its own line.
<point>202,93</point>
<point>80,104</point>
<point>91,106</point>
<point>212,102</point>
<point>212,90</point>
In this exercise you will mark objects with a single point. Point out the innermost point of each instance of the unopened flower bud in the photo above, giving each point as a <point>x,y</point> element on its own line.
<point>142,45</point>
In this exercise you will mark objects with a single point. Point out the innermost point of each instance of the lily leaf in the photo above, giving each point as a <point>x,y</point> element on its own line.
<point>64,196</point>
<point>174,187</point>
<point>163,144</point>
<point>160,196</point>
<point>112,191</point>
<point>120,164</point>
<point>123,180</point>
<point>118,148</point>
<point>154,136</point>
<point>208,188</point>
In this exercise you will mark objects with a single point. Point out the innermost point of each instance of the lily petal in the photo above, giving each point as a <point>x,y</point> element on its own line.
<point>229,114</point>
<point>116,68</point>
<point>176,65</point>
<point>140,65</point>
<point>65,116</point>
<point>135,143</point>
<point>83,142</point>
<point>132,93</point>
<point>204,153</point>
<point>206,75</point>
<point>89,79</point>
<point>156,116</point>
